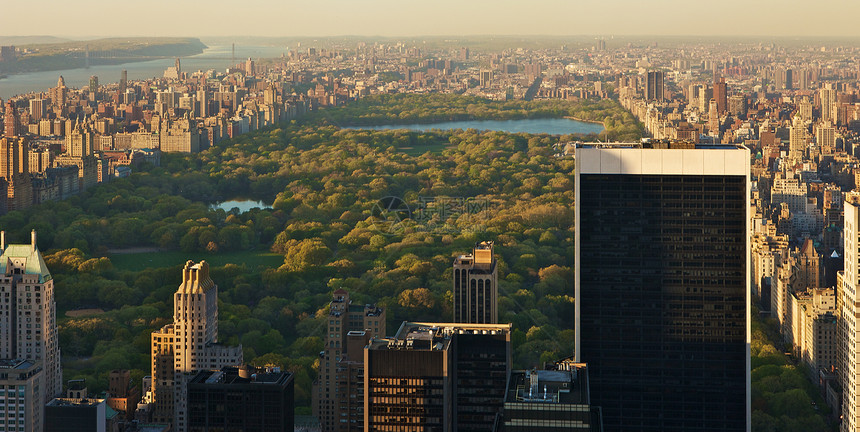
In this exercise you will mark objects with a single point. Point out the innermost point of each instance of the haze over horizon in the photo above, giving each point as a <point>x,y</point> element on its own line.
<point>828,18</point>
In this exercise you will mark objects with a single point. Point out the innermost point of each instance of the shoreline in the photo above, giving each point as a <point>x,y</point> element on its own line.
<point>130,60</point>
<point>432,122</point>
<point>586,121</point>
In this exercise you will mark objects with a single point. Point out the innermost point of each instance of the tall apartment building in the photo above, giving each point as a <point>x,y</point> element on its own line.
<point>654,83</point>
<point>440,377</point>
<point>825,137</point>
<point>28,326</point>
<point>22,395</point>
<point>797,140</point>
<point>848,306</point>
<point>827,96</point>
<point>808,262</point>
<point>476,286</point>
<point>123,395</point>
<point>38,109</point>
<point>11,121</point>
<point>486,78</point>
<point>180,135</point>
<point>813,328</point>
<point>737,105</point>
<point>17,188</point>
<point>79,153</point>
<point>789,190</point>
<point>713,118</point>
<point>59,96</point>
<point>663,285</point>
<point>767,251</point>
<point>338,393</point>
<point>804,109</point>
<point>781,289</point>
<point>188,345</point>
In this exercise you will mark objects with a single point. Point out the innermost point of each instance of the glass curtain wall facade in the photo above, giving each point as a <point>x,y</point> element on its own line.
<point>662,296</point>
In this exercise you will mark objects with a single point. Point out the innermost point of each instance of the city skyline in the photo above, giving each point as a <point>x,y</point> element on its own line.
<point>546,261</point>
<point>447,17</point>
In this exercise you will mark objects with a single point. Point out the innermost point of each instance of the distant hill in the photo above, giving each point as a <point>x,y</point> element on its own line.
<point>64,54</point>
<point>28,40</point>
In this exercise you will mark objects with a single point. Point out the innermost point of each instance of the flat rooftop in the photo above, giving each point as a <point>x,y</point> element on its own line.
<point>434,336</point>
<point>67,402</point>
<point>662,145</point>
<point>230,376</point>
<point>553,387</point>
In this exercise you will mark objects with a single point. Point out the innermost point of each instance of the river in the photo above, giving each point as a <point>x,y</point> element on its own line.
<point>552,126</point>
<point>214,57</point>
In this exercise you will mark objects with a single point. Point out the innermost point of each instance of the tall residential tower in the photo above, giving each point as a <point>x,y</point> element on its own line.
<point>847,326</point>
<point>28,325</point>
<point>338,392</point>
<point>187,346</point>
<point>476,286</point>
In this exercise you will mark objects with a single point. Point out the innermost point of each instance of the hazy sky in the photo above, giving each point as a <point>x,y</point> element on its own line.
<point>428,17</point>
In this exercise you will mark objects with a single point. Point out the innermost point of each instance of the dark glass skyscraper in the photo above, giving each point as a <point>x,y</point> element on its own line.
<point>662,285</point>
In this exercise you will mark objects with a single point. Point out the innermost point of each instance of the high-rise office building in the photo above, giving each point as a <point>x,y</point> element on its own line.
<point>241,399</point>
<point>188,345</point>
<point>654,86</point>
<point>476,286</point>
<point>440,377</point>
<point>338,393</point>
<point>94,84</point>
<point>123,81</point>
<point>788,79</point>
<point>662,285</point>
<point>721,95</point>
<point>76,415</point>
<point>28,326</point>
